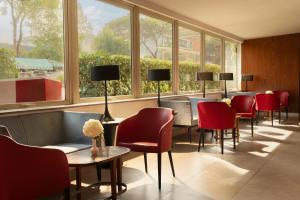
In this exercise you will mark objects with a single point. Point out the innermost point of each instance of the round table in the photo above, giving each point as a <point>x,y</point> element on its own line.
<point>109,154</point>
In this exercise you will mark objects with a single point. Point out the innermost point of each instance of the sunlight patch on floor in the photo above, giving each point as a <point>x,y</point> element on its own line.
<point>269,147</point>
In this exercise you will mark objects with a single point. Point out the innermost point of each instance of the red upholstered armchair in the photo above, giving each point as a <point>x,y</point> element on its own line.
<point>31,172</point>
<point>216,116</point>
<point>284,100</point>
<point>267,102</point>
<point>149,131</point>
<point>244,107</point>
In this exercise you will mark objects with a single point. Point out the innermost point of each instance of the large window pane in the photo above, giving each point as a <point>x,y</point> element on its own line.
<point>104,34</point>
<point>155,51</point>
<point>31,51</point>
<point>231,63</point>
<point>189,59</point>
<point>213,51</point>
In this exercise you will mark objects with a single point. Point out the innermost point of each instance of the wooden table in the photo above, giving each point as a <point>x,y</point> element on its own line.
<point>109,154</point>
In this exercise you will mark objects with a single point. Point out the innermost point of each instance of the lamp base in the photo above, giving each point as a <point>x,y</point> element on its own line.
<point>106,118</point>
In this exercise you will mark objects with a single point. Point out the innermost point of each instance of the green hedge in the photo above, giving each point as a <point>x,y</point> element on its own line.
<point>88,88</point>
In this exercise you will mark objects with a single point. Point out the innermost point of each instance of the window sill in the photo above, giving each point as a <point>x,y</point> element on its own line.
<point>61,107</point>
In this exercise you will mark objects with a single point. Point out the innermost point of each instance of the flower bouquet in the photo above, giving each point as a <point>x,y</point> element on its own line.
<point>227,101</point>
<point>94,129</point>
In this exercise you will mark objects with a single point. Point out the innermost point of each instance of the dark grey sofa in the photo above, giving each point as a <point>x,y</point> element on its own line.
<point>58,129</point>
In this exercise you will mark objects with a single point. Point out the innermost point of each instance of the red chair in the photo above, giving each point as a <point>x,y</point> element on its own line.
<point>31,172</point>
<point>269,103</point>
<point>216,116</point>
<point>284,100</point>
<point>244,107</point>
<point>149,131</point>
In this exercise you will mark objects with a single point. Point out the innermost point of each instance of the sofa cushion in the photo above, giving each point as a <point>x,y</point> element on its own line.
<point>68,147</point>
<point>43,128</point>
<point>15,127</point>
<point>72,126</point>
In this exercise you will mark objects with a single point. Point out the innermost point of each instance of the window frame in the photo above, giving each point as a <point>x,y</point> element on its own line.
<point>130,8</point>
<point>66,41</point>
<point>237,62</point>
<point>148,13</point>
<point>71,54</point>
<point>222,64</point>
<point>201,32</point>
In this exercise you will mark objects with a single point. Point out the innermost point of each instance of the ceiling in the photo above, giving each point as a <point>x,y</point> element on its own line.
<point>246,19</point>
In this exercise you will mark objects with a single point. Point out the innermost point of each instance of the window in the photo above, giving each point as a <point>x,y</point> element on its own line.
<point>104,36</point>
<point>155,51</point>
<point>213,58</point>
<point>189,59</point>
<point>31,51</point>
<point>231,63</point>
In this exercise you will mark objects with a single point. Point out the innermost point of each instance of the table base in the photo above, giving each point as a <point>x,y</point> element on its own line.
<point>122,187</point>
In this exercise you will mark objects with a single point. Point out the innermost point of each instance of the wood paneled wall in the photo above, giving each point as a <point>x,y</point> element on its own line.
<point>275,64</point>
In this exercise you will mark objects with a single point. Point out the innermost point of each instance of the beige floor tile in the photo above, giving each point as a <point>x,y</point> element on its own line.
<point>263,167</point>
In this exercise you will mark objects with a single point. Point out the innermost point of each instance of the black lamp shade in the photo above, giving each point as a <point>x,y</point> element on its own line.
<point>159,74</point>
<point>226,76</point>
<point>105,72</point>
<point>247,77</point>
<point>205,76</point>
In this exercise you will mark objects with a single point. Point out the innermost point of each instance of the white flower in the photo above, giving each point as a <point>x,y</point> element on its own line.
<point>269,92</point>
<point>226,100</point>
<point>93,128</point>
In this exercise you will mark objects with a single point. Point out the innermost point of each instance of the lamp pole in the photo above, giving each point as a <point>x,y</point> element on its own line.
<point>158,93</point>
<point>107,117</point>
<point>225,90</point>
<point>204,89</point>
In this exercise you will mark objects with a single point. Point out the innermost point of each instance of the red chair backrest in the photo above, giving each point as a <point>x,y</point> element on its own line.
<point>145,126</point>
<point>267,102</point>
<point>283,97</point>
<point>216,115</point>
<point>31,172</point>
<point>243,104</point>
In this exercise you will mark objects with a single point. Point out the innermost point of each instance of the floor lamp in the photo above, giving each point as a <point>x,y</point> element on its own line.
<point>204,76</point>
<point>226,77</point>
<point>158,75</point>
<point>246,78</point>
<point>105,73</point>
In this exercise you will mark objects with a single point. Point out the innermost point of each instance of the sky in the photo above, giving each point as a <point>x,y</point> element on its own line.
<point>97,13</point>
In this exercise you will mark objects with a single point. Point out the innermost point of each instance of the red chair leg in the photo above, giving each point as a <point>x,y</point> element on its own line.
<point>145,161</point>
<point>222,141</point>
<point>252,127</point>
<point>233,135</point>
<point>200,138</point>
<point>171,162</point>
<point>67,195</point>
<point>272,116</point>
<point>159,170</point>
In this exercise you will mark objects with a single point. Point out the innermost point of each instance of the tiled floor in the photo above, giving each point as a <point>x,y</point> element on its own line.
<point>264,167</point>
